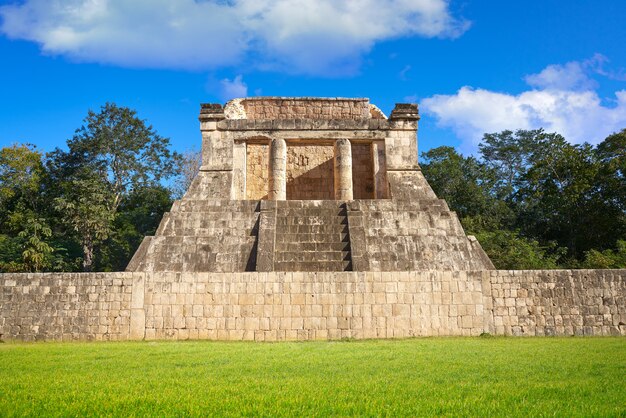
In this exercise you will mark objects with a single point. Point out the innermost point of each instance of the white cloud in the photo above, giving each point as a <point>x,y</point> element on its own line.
<point>563,101</point>
<point>306,36</point>
<point>571,76</point>
<point>138,33</point>
<point>231,89</point>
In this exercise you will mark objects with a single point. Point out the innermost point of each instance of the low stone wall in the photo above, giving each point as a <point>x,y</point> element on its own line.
<point>305,306</point>
<point>66,306</point>
<point>558,302</point>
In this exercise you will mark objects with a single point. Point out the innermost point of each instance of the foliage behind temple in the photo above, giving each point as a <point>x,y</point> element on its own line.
<point>535,201</point>
<point>88,207</point>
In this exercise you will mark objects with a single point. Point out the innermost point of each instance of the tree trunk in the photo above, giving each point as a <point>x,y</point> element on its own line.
<point>87,256</point>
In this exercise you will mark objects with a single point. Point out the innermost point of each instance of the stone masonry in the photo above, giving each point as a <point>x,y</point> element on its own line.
<point>309,219</point>
<point>277,306</point>
<point>309,184</point>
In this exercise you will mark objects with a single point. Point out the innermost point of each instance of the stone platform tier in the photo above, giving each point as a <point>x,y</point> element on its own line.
<point>413,235</point>
<point>202,235</point>
<point>309,235</point>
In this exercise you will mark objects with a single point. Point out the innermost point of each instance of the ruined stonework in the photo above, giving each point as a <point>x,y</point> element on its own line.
<point>309,184</point>
<point>279,306</point>
<point>309,219</point>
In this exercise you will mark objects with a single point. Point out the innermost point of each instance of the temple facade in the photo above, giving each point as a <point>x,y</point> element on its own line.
<point>309,184</point>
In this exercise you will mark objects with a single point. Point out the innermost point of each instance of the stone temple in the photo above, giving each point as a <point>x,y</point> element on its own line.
<point>309,220</point>
<point>309,184</point>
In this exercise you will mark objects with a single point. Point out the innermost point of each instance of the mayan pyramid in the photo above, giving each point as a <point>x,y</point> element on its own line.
<point>308,184</point>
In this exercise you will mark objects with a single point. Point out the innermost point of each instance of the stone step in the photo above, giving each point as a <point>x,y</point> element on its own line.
<point>312,212</point>
<point>209,224</point>
<point>312,220</point>
<point>418,221</point>
<point>397,205</point>
<point>228,216</point>
<point>213,222</point>
<point>295,238</point>
<point>313,266</point>
<point>309,204</point>
<point>174,253</point>
<point>317,256</point>
<point>203,240</point>
<point>207,262</point>
<point>311,229</point>
<point>311,246</point>
<point>208,254</point>
<point>423,253</point>
<point>220,206</point>
<point>209,232</point>
<point>408,215</point>
<point>200,247</point>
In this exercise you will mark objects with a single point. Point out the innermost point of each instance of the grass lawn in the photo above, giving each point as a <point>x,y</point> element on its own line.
<point>416,377</point>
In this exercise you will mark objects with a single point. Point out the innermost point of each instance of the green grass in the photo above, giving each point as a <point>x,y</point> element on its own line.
<point>416,377</point>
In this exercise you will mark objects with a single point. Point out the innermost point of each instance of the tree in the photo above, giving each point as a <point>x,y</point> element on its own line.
<point>21,176</point>
<point>122,149</point>
<point>508,155</point>
<point>37,252</point>
<point>607,259</point>
<point>535,200</point>
<point>110,156</point>
<point>139,215</point>
<point>510,251</point>
<point>191,161</point>
<point>26,242</point>
<point>85,208</point>
<point>468,187</point>
<point>564,198</point>
<point>611,181</point>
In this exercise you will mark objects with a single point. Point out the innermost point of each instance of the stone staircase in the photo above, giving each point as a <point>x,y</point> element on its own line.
<point>202,235</point>
<point>312,235</point>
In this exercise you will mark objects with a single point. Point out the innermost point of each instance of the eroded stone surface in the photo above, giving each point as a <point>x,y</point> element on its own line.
<point>278,306</point>
<point>309,150</point>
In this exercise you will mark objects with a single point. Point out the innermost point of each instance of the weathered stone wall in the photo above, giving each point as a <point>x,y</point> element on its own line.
<point>305,108</point>
<point>559,302</point>
<point>309,172</point>
<point>224,130</point>
<point>257,174</point>
<point>66,306</point>
<point>362,171</point>
<point>407,235</point>
<point>324,305</point>
<point>202,235</point>
<point>303,306</point>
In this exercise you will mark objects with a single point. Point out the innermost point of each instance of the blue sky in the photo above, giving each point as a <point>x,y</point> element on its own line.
<point>474,66</point>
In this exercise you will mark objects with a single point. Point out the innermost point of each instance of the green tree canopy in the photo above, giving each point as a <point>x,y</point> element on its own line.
<point>112,155</point>
<point>535,200</point>
<point>25,234</point>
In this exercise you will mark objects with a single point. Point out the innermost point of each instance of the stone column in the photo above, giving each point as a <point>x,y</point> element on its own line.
<point>239,171</point>
<point>278,170</point>
<point>343,170</point>
<point>380,170</point>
